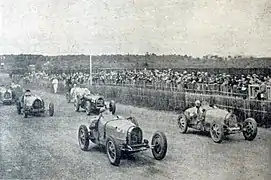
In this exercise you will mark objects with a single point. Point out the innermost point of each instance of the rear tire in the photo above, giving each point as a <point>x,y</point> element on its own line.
<point>88,108</point>
<point>251,129</point>
<point>182,123</point>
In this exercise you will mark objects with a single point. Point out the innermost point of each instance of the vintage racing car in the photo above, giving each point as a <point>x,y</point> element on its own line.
<point>6,95</point>
<point>91,103</point>
<point>120,136</point>
<point>218,122</point>
<point>31,104</point>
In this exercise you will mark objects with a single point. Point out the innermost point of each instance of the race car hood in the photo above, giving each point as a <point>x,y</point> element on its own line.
<point>118,128</point>
<point>3,90</point>
<point>93,96</point>
<point>28,100</point>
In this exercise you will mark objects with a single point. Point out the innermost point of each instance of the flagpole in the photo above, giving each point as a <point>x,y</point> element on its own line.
<point>90,71</point>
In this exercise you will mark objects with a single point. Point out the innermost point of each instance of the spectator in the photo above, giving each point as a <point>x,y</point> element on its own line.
<point>55,84</point>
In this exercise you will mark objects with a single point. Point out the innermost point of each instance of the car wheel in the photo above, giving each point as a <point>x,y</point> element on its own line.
<point>88,108</point>
<point>113,152</point>
<point>51,109</point>
<point>19,108</point>
<point>217,132</point>
<point>250,126</point>
<point>159,145</point>
<point>68,97</point>
<point>133,120</point>
<point>182,123</point>
<point>112,107</point>
<point>76,105</point>
<point>83,137</point>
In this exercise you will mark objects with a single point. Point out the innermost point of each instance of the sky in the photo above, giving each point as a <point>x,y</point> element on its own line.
<point>196,28</point>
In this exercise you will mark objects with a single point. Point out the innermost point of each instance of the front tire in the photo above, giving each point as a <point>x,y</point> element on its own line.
<point>113,151</point>
<point>19,108</point>
<point>159,145</point>
<point>83,137</point>
<point>112,107</point>
<point>217,132</point>
<point>51,109</point>
<point>182,123</point>
<point>88,108</point>
<point>76,105</point>
<point>251,129</point>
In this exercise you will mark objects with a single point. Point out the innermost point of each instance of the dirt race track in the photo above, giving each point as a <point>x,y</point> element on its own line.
<point>47,148</point>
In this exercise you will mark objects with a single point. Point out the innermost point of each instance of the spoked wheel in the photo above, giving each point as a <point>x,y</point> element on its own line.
<point>51,109</point>
<point>68,97</point>
<point>250,126</point>
<point>159,145</point>
<point>19,108</point>
<point>113,152</point>
<point>182,123</point>
<point>76,105</point>
<point>217,132</point>
<point>112,107</point>
<point>83,137</point>
<point>88,108</point>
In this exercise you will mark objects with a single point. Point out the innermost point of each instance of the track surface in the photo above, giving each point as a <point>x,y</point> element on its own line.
<point>47,148</point>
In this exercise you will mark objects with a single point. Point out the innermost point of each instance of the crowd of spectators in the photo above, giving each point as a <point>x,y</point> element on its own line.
<point>167,78</point>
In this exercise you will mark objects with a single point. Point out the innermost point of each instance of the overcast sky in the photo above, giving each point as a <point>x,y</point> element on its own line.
<point>197,28</point>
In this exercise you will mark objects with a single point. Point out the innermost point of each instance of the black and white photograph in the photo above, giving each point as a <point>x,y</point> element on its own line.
<point>135,89</point>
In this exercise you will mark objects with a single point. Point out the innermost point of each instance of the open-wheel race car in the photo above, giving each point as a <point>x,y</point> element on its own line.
<point>218,122</point>
<point>31,104</point>
<point>120,136</point>
<point>91,103</point>
<point>6,95</point>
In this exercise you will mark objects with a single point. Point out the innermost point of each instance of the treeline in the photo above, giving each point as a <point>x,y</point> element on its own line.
<point>69,63</point>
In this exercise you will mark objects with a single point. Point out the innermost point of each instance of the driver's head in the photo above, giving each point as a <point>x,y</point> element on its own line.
<point>197,103</point>
<point>212,102</point>
<point>27,93</point>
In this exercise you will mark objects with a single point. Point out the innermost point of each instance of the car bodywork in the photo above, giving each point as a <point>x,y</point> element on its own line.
<point>6,96</point>
<point>218,122</point>
<point>91,103</point>
<point>121,134</point>
<point>31,104</point>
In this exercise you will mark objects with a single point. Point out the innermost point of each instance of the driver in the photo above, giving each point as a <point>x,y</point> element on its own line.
<point>198,114</point>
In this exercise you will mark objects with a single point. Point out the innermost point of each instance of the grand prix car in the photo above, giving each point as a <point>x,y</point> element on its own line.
<point>31,104</point>
<point>6,95</point>
<point>120,136</point>
<point>17,91</point>
<point>218,122</point>
<point>92,103</point>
